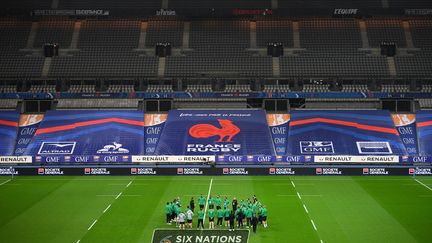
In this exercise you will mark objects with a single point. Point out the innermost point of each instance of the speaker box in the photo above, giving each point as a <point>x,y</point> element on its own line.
<point>49,50</point>
<point>163,49</point>
<point>388,49</point>
<point>275,49</point>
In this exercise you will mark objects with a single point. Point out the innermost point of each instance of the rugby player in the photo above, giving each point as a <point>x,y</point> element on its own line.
<point>200,219</point>
<point>211,215</point>
<point>181,220</point>
<point>201,201</point>
<point>220,215</point>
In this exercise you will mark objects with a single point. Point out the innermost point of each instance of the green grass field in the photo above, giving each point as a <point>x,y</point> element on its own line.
<point>128,209</point>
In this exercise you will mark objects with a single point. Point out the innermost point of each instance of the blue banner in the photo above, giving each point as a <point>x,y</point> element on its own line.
<point>28,125</point>
<point>424,127</point>
<point>87,132</point>
<point>8,131</point>
<point>406,126</point>
<point>369,132</point>
<point>83,159</point>
<point>216,132</point>
<point>279,125</point>
<point>154,124</point>
<point>263,159</point>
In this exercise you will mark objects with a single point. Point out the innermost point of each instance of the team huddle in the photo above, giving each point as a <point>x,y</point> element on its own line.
<point>244,213</point>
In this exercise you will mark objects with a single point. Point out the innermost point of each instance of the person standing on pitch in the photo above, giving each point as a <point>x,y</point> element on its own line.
<point>200,219</point>
<point>181,220</point>
<point>218,202</point>
<point>244,211</point>
<point>201,201</point>
<point>234,204</point>
<point>264,216</point>
<point>189,217</point>
<point>168,213</point>
<point>249,216</point>
<point>227,212</point>
<point>174,212</point>
<point>239,218</point>
<point>220,214</point>
<point>211,202</point>
<point>226,202</point>
<point>211,214</point>
<point>192,204</point>
<point>231,221</point>
<point>254,223</point>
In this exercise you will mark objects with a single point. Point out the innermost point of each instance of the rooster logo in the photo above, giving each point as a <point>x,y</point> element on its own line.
<point>228,129</point>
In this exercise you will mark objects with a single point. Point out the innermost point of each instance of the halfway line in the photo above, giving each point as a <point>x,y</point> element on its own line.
<point>208,197</point>
<point>106,209</point>
<point>304,206</point>
<point>313,224</point>
<point>89,228</point>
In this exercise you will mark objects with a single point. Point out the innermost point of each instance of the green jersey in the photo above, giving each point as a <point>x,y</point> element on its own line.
<point>220,213</point>
<point>264,212</point>
<point>249,213</point>
<point>168,209</point>
<point>237,212</point>
<point>201,201</point>
<point>244,210</point>
<point>226,203</point>
<point>179,210</point>
<point>254,208</point>
<point>174,208</point>
<point>218,202</point>
<point>200,214</point>
<point>211,213</point>
<point>227,212</point>
<point>211,201</point>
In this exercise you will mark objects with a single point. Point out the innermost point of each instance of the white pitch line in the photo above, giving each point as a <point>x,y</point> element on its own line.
<point>292,182</point>
<point>94,222</point>
<point>119,195</point>
<point>421,183</point>
<point>304,206</point>
<point>313,224</point>
<point>208,196</point>
<point>78,241</point>
<point>129,184</point>
<point>306,210</point>
<point>4,182</point>
<point>106,209</point>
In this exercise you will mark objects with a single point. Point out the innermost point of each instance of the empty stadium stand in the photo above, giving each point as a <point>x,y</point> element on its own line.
<point>354,88</point>
<point>99,104</point>
<point>199,88</point>
<point>314,47</point>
